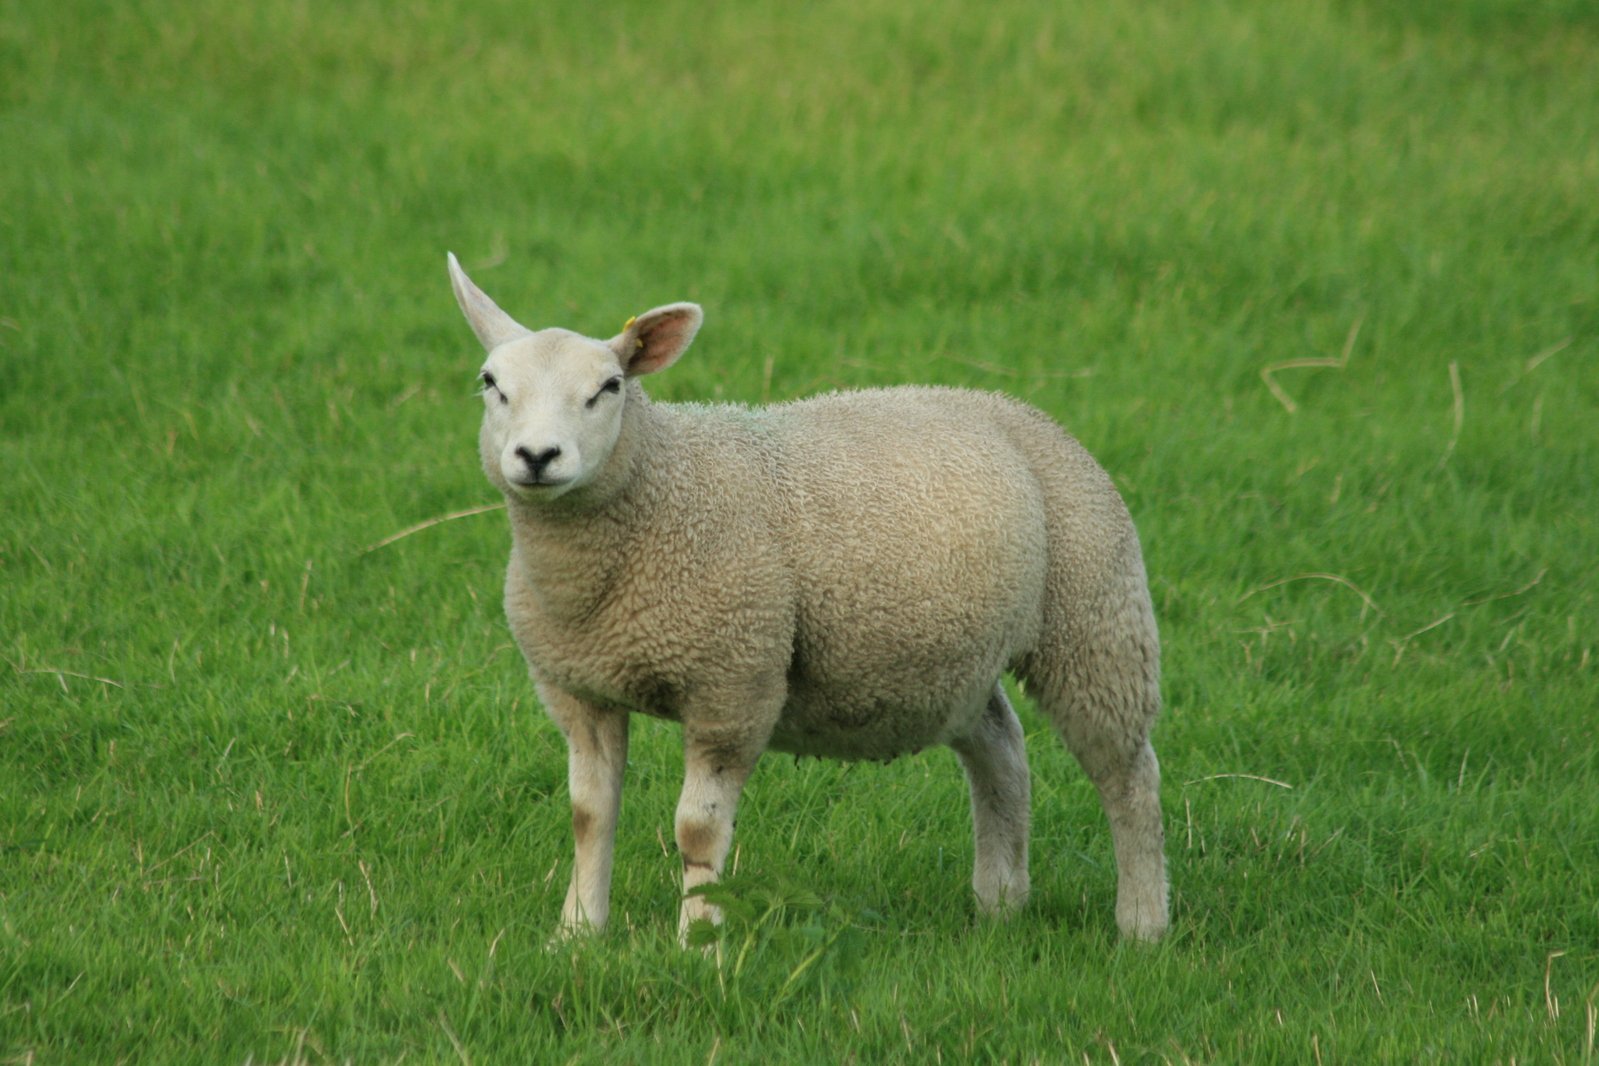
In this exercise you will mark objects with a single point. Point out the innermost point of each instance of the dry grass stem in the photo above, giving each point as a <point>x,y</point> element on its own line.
<point>1508,595</point>
<point>1366,600</point>
<point>372,894</point>
<point>1534,362</point>
<point>1592,1017</point>
<point>1459,412</point>
<point>1551,1002</point>
<point>1401,644</point>
<point>455,1041</point>
<point>420,526</point>
<point>1245,777</point>
<point>1267,373</point>
<point>1434,624</point>
<point>62,675</point>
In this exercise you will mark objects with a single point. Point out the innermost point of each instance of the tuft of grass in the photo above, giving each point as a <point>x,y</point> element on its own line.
<point>1317,283</point>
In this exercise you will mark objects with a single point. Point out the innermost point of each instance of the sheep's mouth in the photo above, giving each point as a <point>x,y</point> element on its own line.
<point>535,486</point>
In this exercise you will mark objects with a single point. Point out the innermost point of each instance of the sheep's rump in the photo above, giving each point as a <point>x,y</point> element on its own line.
<point>921,525</point>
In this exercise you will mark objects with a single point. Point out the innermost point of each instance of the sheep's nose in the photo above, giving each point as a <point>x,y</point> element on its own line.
<point>537,461</point>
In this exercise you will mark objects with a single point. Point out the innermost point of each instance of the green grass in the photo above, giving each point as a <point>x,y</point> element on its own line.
<point>271,797</point>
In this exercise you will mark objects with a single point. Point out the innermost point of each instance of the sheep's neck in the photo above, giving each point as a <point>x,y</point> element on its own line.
<point>568,555</point>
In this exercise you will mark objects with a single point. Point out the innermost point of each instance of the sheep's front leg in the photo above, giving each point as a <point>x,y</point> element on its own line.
<point>714,771</point>
<point>596,757</point>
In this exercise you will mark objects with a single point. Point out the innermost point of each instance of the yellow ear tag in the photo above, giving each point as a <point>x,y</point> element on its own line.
<point>638,342</point>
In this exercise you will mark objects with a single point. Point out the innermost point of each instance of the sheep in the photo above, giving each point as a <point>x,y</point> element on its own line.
<point>845,576</point>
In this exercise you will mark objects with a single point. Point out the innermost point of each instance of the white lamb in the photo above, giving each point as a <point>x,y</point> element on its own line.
<point>844,576</point>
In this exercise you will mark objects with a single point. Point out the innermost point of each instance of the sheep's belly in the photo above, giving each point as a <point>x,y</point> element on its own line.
<point>861,726</point>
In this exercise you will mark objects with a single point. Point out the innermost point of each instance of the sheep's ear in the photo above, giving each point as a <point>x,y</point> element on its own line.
<point>492,326</point>
<point>655,339</point>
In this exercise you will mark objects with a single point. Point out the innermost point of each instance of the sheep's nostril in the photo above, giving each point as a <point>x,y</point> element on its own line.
<point>537,461</point>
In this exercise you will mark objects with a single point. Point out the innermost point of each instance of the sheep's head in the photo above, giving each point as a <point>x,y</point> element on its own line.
<point>553,401</point>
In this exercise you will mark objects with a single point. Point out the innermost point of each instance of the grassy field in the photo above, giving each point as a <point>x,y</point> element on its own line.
<point>1318,283</point>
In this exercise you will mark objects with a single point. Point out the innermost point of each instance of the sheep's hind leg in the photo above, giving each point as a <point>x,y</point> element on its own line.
<point>714,771</point>
<point>596,758</point>
<point>1129,789</point>
<point>1109,737</point>
<point>995,760</point>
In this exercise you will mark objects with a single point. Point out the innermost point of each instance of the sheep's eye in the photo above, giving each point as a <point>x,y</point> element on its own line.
<point>489,384</point>
<point>612,386</point>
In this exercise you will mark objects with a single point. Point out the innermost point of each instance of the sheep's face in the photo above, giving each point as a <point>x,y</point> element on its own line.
<point>552,411</point>
<point>554,401</point>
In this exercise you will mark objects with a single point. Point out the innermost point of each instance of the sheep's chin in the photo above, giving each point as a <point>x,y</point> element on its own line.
<point>538,491</point>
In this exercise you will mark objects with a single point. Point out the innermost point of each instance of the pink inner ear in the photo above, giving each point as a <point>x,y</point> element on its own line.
<point>661,339</point>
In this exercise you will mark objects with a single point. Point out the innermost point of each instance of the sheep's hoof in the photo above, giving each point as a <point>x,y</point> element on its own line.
<point>1001,901</point>
<point>1000,911</point>
<point>567,936</point>
<point>700,937</point>
<point>697,928</point>
<point>1143,928</point>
